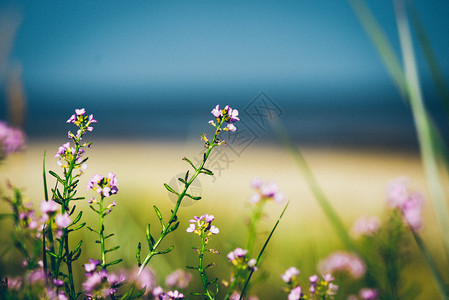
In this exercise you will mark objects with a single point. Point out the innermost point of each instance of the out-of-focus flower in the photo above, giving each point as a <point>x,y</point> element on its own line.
<point>343,262</point>
<point>102,284</point>
<point>265,191</point>
<point>368,294</point>
<point>290,275</point>
<point>105,186</point>
<point>237,255</point>
<point>179,278</point>
<point>175,295</point>
<point>11,139</point>
<point>63,220</point>
<point>236,296</point>
<point>295,294</point>
<point>366,225</point>
<point>49,207</point>
<point>91,266</point>
<point>409,203</point>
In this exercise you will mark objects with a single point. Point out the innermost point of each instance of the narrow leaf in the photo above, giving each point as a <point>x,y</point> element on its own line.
<point>112,249</point>
<point>170,189</point>
<point>173,227</point>
<point>188,160</point>
<point>196,198</point>
<point>56,176</point>
<point>138,251</point>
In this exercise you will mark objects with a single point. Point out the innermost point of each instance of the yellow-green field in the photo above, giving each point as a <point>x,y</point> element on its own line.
<point>353,180</point>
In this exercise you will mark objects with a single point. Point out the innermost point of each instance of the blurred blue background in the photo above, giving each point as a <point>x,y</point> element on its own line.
<point>155,69</point>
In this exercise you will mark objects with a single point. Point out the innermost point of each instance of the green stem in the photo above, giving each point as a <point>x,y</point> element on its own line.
<point>203,274</point>
<point>181,196</point>
<point>255,218</point>
<point>101,232</point>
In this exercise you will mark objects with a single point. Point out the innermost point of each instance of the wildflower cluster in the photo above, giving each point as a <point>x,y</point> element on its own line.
<point>265,191</point>
<point>318,288</point>
<point>105,186</point>
<point>408,202</point>
<point>243,265</point>
<point>11,140</point>
<point>226,114</point>
<point>203,227</point>
<point>100,284</point>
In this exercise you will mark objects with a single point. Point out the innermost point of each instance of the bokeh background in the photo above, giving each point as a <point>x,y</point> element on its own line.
<point>151,72</point>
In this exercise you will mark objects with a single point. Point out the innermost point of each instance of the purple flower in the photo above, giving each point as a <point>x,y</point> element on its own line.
<point>105,186</point>
<point>91,266</point>
<point>233,113</point>
<point>202,225</point>
<point>408,202</point>
<point>82,121</point>
<point>175,295</point>
<point>290,274</point>
<point>179,278</point>
<point>265,191</point>
<point>217,112</point>
<point>368,294</point>
<point>11,139</point>
<point>49,207</point>
<point>231,127</point>
<point>344,262</point>
<point>295,294</point>
<point>63,220</point>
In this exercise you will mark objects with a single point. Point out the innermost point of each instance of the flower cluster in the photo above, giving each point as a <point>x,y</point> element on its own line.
<point>239,257</point>
<point>170,295</point>
<point>11,139</point>
<point>409,203</point>
<point>323,288</point>
<point>82,121</point>
<point>105,186</point>
<point>265,191</point>
<point>343,262</point>
<point>227,114</point>
<point>66,155</point>
<point>100,285</point>
<point>179,278</point>
<point>202,226</point>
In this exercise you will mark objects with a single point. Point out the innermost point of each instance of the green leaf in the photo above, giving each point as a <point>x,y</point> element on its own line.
<point>150,238</point>
<point>182,180</point>
<point>112,249</point>
<point>173,228</point>
<point>78,217</point>
<point>108,236</point>
<point>78,227</point>
<point>113,263</point>
<point>170,189</point>
<point>186,177</point>
<point>94,209</point>
<point>57,177</point>
<point>207,171</point>
<point>139,249</point>
<point>158,212</point>
<point>167,251</point>
<point>188,160</point>
<point>52,254</point>
<point>196,198</point>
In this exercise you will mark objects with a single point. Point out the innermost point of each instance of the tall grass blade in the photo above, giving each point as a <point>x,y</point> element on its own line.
<point>378,37</point>
<point>423,125</point>
<point>429,55</point>
<point>262,251</point>
<point>321,198</point>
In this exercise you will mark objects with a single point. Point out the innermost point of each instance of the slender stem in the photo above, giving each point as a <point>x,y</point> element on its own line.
<point>255,218</point>
<point>203,274</point>
<point>101,232</point>
<point>181,196</point>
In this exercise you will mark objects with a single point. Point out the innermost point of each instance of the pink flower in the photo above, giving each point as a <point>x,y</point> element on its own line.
<point>178,278</point>
<point>217,112</point>
<point>343,262</point>
<point>63,220</point>
<point>11,139</point>
<point>408,202</point>
<point>49,207</point>
<point>291,273</point>
<point>175,295</point>
<point>368,294</point>
<point>265,191</point>
<point>295,294</point>
<point>237,254</point>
